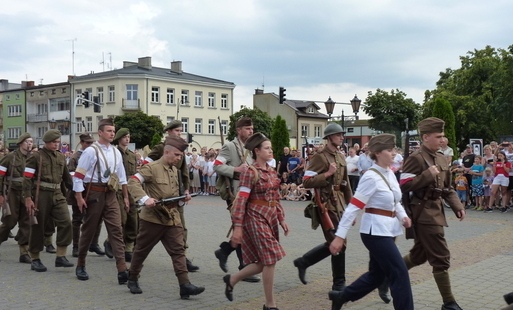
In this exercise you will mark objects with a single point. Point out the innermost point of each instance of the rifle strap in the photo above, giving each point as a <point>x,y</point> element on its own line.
<point>13,166</point>
<point>38,180</point>
<point>382,176</point>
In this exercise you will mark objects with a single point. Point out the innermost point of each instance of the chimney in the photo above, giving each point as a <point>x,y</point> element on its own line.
<point>129,64</point>
<point>25,84</point>
<point>144,62</point>
<point>176,66</point>
<point>259,91</point>
<point>4,84</point>
<point>70,77</point>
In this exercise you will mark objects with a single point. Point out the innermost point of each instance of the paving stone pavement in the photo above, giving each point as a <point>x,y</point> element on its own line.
<point>481,272</point>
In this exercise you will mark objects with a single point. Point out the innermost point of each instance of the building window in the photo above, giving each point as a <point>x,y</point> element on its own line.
<point>170,96</point>
<point>155,94</point>
<point>54,91</point>
<point>41,93</point>
<point>317,131</point>
<point>60,104</point>
<point>198,99</point>
<point>42,109</point>
<point>304,130</point>
<point>185,97</point>
<point>311,110</point>
<point>7,97</point>
<point>211,100</point>
<point>32,94</point>
<point>197,125</point>
<point>64,130</point>
<point>14,110</point>
<point>212,126</point>
<point>350,129</point>
<point>131,92</point>
<point>14,132</point>
<point>169,119</point>
<point>224,101</point>
<point>63,90</point>
<point>100,94</point>
<point>78,123</point>
<point>185,124</point>
<point>112,94</point>
<point>224,127</point>
<point>17,96</point>
<point>89,124</point>
<point>41,131</point>
<point>78,92</point>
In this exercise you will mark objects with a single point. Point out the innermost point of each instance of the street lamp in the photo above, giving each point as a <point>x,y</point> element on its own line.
<point>355,103</point>
<point>53,124</point>
<point>67,122</point>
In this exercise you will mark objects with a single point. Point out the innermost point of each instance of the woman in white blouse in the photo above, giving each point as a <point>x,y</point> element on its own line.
<point>379,194</point>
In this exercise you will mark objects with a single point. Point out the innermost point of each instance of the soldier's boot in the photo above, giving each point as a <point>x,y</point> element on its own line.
<point>190,266</point>
<point>338,299</point>
<point>310,258</point>
<point>108,249</point>
<point>48,245</point>
<point>338,269</point>
<point>24,255</point>
<point>444,286</point>
<point>129,250</point>
<point>36,263</point>
<point>383,291</point>
<point>250,279</point>
<point>408,262</point>
<point>188,289</point>
<point>133,286</point>
<point>61,260</point>
<point>225,249</point>
<point>508,298</point>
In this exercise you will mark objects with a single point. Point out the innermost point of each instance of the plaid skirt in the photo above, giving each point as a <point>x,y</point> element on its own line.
<point>260,240</point>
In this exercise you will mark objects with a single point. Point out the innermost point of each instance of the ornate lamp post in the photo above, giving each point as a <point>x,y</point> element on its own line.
<point>53,124</point>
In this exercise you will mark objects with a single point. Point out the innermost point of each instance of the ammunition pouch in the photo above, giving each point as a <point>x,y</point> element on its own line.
<point>433,193</point>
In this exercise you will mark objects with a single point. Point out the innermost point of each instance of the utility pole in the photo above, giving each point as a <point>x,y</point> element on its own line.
<point>73,55</point>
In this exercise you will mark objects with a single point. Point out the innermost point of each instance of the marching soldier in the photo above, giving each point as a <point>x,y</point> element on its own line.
<point>175,128</point>
<point>43,185</point>
<point>160,222</point>
<point>12,166</point>
<point>426,174</point>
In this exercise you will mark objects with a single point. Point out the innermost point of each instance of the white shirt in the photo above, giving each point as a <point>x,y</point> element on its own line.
<point>352,163</point>
<point>364,162</point>
<point>398,159</point>
<point>373,192</point>
<point>86,164</point>
<point>509,157</point>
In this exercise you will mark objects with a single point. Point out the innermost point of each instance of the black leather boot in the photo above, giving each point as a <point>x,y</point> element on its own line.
<point>81,273</point>
<point>338,299</point>
<point>508,298</point>
<point>225,249</point>
<point>188,289</point>
<point>108,249</point>
<point>37,265</point>
<point>190,266</point>
<point>96,249</point>
<point>383,291</point>
<point>338,269</point>
<point>133,285</point>
<point>123,277</point>
<point>74,252</point>
<point>310,258</point>
<point>62,261</point>
<point>451,305</point>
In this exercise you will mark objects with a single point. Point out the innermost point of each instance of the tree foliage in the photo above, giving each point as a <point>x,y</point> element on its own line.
<point>142,127</point>
<point>279,137</point>
<point>443,110</point>
<point>262,122</point>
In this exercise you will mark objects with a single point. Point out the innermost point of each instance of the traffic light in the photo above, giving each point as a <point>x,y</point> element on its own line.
<point>282,95</point>
<point>85,95</point>
<point>189,138</point>
<point>97,107</point>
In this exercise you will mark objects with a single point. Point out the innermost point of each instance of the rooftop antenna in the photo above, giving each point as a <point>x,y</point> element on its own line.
<point>72,55</point>
<point>263,82</point>
<point>103,61</point>
<point>109,65</point>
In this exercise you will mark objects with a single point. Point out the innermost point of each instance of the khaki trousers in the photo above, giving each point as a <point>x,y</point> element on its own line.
<point>18,216</point>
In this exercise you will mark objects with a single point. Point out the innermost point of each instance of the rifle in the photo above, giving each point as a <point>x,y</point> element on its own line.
<point>227,181</point>
<point>409,232</point>
<point>326,223</point>
<point>167,200</point>
<point>6,207</point>
<point>33,218</point>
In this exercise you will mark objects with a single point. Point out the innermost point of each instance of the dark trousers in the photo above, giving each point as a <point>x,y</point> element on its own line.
<point>182,219</point>
<point>430,246</point>
<point>18,216</point>
<point>353,180</point>
<point>106,207</point>
<point>172,240</point>
<point>77,218</point>
<point>385,261</point>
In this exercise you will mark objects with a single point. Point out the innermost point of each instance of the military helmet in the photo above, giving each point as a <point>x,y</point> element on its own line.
<point>332,128</point>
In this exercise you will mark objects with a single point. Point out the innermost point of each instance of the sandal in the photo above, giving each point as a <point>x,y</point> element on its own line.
<point>229,288</point>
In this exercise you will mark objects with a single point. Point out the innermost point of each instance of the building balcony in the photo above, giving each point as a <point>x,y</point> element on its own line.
<point>33,118</point>
<point>131,105</point>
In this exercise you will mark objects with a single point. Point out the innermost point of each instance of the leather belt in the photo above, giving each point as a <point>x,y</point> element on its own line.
<point>380,212</point>
<point>13,179</point>
<point>98,187</point>
<point>336,187</point>
<point>50,185</point>
<point>272,203</point>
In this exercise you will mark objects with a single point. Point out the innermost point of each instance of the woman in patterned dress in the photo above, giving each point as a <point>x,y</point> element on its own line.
<point>256,216</point>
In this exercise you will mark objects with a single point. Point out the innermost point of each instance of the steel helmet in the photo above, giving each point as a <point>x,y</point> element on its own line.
<point>332,128</point>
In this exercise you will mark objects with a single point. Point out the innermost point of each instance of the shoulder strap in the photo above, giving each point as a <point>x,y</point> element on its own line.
<point>257,174</point>
<point>382,176</point>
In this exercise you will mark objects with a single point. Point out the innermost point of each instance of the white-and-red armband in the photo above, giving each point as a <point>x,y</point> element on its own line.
<point>309,174</point>
<point>406,177</point>
<point>138,177</point>
<point>244,191</point>
<point>80,173</point>
<point>220,160</point>
<point>3,170</point>
<point>359,200</point>
<point>147,160</point>
<point>29,172</point>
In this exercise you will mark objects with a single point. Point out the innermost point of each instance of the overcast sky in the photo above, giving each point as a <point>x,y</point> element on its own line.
<point>314,49</point>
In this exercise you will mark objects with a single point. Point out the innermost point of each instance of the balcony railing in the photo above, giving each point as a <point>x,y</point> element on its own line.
<point>32,118</point>
<point>131,104</point>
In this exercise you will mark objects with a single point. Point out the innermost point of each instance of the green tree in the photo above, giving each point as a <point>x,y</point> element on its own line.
<point>142,127</point>
<point>279,137</point>
<point>443,110</point>
<point>262,122</point>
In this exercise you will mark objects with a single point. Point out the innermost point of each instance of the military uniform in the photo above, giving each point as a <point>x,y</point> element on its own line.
<point>427,210</point>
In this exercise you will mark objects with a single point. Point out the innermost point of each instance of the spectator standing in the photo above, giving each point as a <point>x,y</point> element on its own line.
<point>397,164</point>
<point>364,160</point>
<point>501,169</point>
<point>477,181</point>
<point>461,187</point>
<point>447,150</point>
<point>467,162</point>
<point>195,168</point>
<point>508,150</point>
<point>352,168</point>
<point>488,156</point>
<point>487,186</point>
<point>292,166</point>
<point>284,159</point>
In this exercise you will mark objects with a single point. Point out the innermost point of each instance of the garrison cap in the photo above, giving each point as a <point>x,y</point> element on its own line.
<point>23,137</point>
<point>177,142</point>
<point>243,122</point>
<point>172,125</point>
<point>384,141</point>
<point>431,125</point>
<point>51,135</point>
<point>85,137</point>
<point>105,122</point>
<point>121,133</point>
<point>255,140</point>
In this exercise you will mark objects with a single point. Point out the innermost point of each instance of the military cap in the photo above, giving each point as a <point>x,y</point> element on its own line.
<point>331,129</point>
<point>431,125</point>
<point>384,141</point>
<point>105,122</point>
<point>177,142</point>
<point>255,140</point>
<point>243,122</point>
<point>23,137</point>
<point>121,133</point>
<point>172,125</point>
<point>51,135</point>
<point>85,137</point>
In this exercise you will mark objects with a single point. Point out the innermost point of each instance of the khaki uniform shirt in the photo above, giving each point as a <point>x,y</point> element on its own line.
<point>161,181</point>
<point>157,152</point>
<point>231,156</point>
<point>6,167</point>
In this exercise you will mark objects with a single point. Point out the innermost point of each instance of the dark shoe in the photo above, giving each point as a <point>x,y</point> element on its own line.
<point>96,249</point>
<point>338,269</point>
<point>451,305</point>
<point>508,298</point>
<point>108,249</point>
<point>190,266</point>
<point>298,262</point>
<point>50,248</point>
<point>81,273</point>
<point>74,252</point>
<point>270,308</point>
<point>310,258</point>
<point>188,289</point>
<point>62,261</point>
<point>252,279</point>
<point>338,299</point>
<point>133,285</point>
<point>25,259</point>
<point>37,265</point>
<point>11,235</point>
<point>128,257</point>
<point>228,291</point>
<point>122,277</point>
<point>223,259</point>
<point>383,292</point>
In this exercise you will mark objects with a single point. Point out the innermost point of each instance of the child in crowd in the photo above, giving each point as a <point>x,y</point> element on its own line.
<point>212,175</point>
<point>476,171</point>
<point>303,193</point>
<point>487,187</point>
<point>500,169</point>
<point>284,190</point>
<point>461,187</point>
<point>293,194</point>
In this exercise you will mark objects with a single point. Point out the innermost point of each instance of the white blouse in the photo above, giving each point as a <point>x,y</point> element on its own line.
<point>373,192</point>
